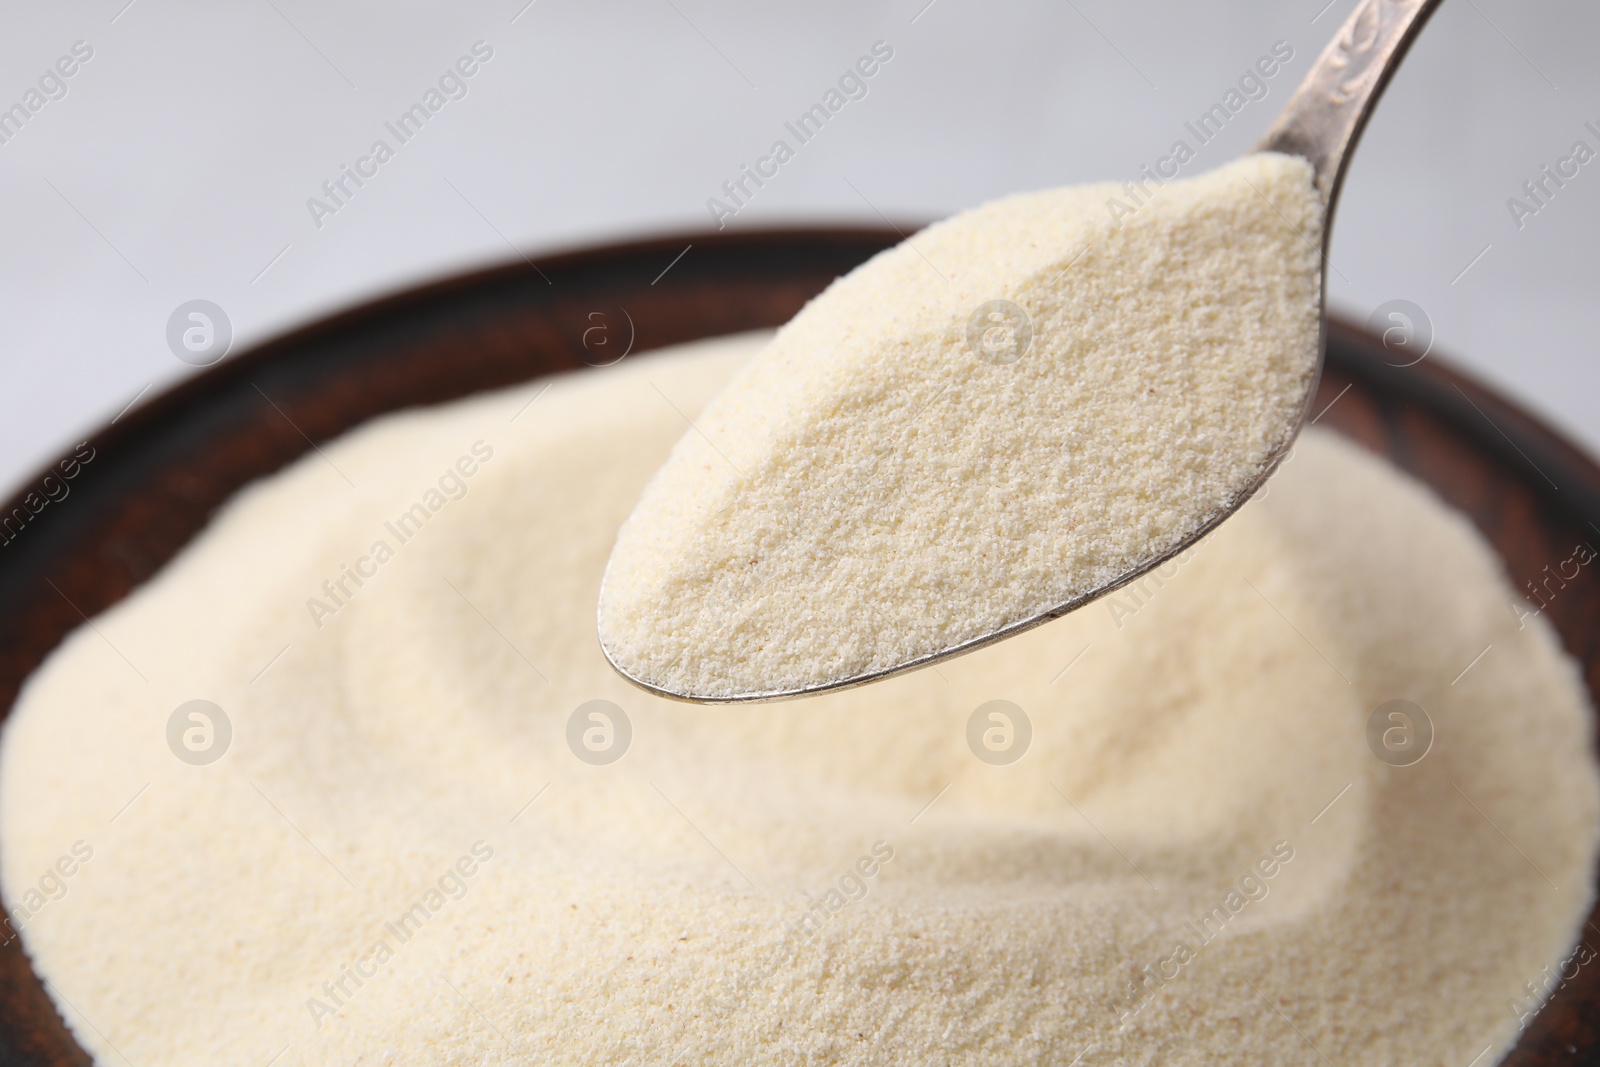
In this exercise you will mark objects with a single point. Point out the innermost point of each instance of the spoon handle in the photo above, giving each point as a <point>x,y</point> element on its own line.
<point>1324,118</point>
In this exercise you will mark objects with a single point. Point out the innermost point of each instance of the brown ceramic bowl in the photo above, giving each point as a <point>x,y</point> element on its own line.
<point>160,472</point>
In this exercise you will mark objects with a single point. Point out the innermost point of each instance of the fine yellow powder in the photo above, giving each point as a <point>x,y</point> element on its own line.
<point>401,858</point>
<point>997,417</point>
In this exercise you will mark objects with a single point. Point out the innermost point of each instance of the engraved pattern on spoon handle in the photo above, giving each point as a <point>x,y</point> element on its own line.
<point>1324,118</point>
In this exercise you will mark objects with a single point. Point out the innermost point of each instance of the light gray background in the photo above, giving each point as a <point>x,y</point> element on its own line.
<point>179,163</point>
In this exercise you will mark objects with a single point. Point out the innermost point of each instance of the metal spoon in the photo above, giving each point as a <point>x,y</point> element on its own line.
<point>1321,122</point>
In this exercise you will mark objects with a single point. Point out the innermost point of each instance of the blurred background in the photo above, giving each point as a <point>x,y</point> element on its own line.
<point>186,154</point>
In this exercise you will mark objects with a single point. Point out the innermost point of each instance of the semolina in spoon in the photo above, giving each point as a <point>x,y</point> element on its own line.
<point>1010,414</point>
